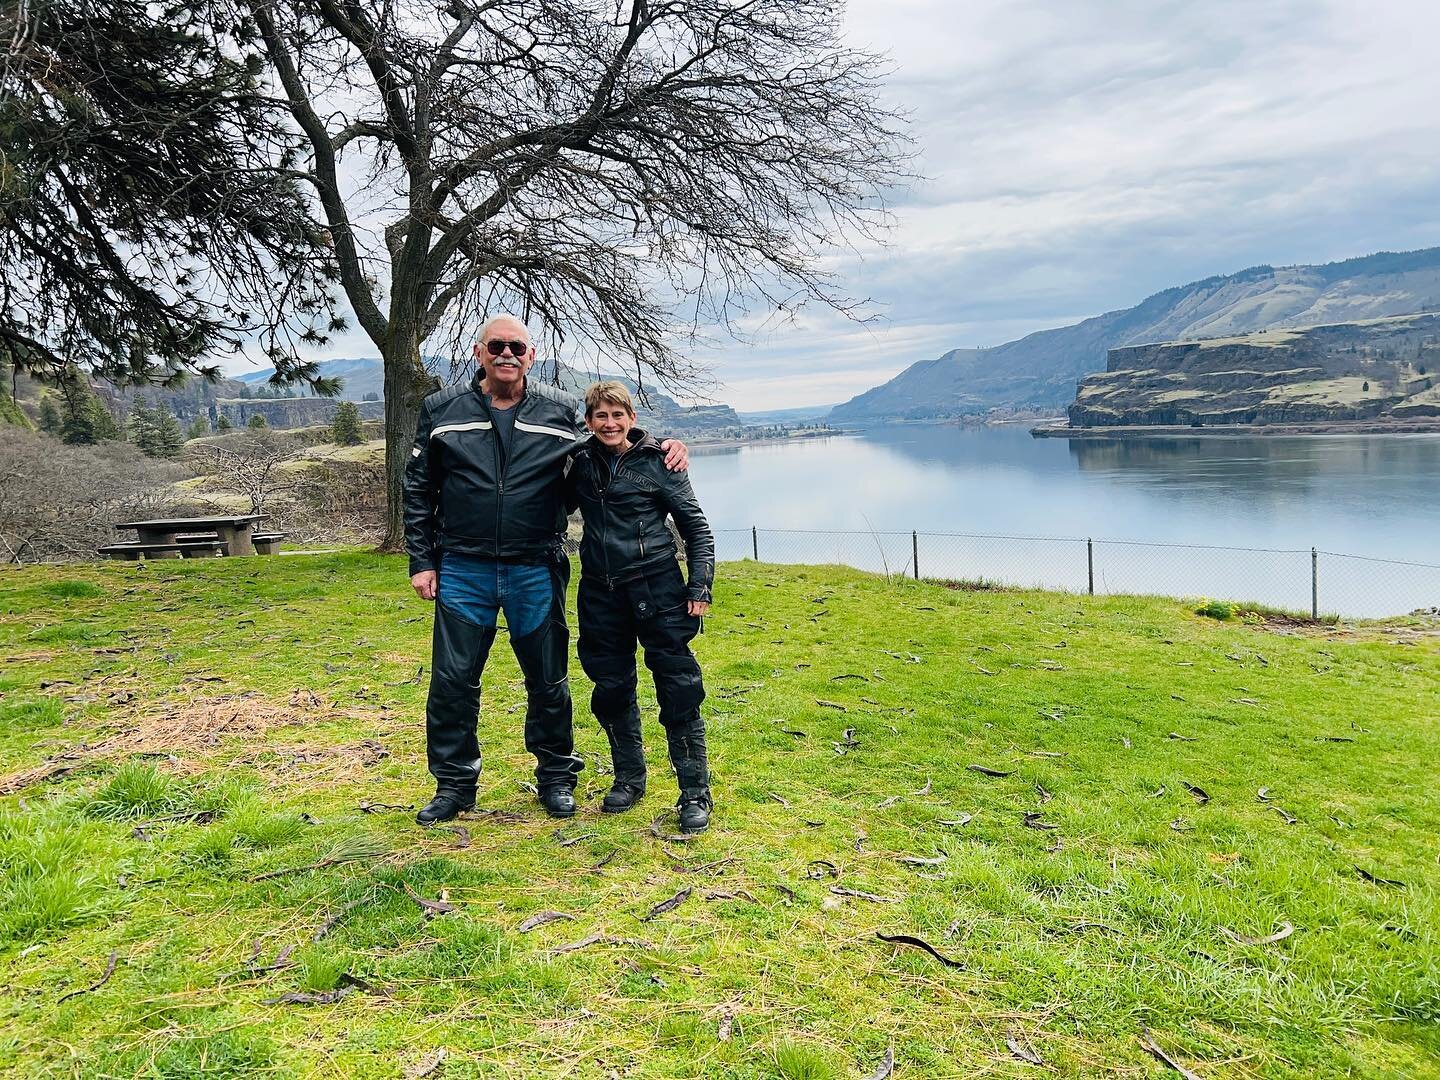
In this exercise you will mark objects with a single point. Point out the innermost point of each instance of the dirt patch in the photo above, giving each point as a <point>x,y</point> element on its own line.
<point>967,586</point>
<point>1415,630</point>
<point>193,727</point>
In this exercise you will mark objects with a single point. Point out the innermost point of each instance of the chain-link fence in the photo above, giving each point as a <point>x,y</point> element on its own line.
<point>1302,580</point>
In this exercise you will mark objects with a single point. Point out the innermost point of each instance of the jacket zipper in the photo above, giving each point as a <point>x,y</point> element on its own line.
<point>604,519</point>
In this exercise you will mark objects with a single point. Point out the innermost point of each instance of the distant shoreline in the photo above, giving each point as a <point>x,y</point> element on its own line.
<point>1418,426</point>
<point>720,444</point>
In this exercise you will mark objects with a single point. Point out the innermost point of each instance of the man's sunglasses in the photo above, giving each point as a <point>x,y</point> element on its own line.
<point>497,348</point>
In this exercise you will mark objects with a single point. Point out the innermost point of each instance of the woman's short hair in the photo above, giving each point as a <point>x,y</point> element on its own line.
<point>609,392</point>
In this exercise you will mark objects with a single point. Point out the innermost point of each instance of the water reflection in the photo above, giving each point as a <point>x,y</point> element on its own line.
<point>1367,495</point>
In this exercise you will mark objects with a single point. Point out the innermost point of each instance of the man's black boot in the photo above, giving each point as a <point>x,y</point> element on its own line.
<point>445,806</point>
<point>558,801</point>
<point>692,770</point>
<point>627,758</point>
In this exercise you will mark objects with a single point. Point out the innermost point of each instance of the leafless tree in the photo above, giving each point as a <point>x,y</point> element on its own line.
<point>249,463</point>
<point>624,172</point>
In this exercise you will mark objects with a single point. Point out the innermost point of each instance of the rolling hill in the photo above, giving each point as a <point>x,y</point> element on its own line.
<point>1040,371</point>
<point>365,375</point>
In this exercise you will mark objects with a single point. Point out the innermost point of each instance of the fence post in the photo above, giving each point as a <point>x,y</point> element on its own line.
<point>755,542</point>
<point>1090,562</point>
<point>915,553</point>
<point>1314,584</point>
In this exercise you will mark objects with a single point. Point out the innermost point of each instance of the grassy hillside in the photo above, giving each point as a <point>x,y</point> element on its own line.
<point>210,767</point>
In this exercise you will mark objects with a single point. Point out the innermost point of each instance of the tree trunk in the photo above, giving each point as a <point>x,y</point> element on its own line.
<point>406,384</point>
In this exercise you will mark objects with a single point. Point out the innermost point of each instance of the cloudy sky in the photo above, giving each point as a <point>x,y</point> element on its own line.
<point>1082,154</point>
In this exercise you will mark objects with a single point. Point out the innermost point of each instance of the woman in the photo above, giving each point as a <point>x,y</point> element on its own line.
<point>631,589</point>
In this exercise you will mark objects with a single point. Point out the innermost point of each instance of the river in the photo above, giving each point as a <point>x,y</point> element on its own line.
<point>1352,495</point>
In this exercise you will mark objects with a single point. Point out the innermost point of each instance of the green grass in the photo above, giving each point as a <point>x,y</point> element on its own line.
<point>275,696</point>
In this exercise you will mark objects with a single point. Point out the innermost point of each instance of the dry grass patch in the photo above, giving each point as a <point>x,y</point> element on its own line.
<point>193,728</point>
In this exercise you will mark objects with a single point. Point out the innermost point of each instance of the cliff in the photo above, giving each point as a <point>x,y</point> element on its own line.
<point>1039,372</point>
<point>1344,371</point>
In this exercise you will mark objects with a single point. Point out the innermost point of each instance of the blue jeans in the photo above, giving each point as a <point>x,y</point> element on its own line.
<point>478,589</point>
<point>473,591</point>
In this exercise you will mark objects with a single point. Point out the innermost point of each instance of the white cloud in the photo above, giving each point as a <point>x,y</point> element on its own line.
<point>1081,154</point>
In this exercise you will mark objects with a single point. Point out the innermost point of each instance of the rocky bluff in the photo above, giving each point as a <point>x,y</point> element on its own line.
<point>1342,371</point>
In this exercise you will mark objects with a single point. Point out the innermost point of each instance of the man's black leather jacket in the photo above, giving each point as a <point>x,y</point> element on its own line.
<point>464,495</point>
<point>624,502</point>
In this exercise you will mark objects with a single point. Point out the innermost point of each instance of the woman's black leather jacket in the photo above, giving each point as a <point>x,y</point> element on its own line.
<point>624,501</point>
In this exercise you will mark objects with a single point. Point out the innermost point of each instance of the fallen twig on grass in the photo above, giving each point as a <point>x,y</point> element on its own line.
<point>1151,1047</point>
<point>1023,1051</point>
<point>426,1065</point>
<point>668,905</point>
<point>335,920</point>
<point>886,1068</point>
<point>346,851</point>
<point>432,908</point>
<point>543,918</point>
<point>840,890</point>
<point>1201,796</point>
<point>985,770</point>
<point>736,894</point>
<point>575,946</point>
<point>1032,821</point>
<point>1285,931</point>
<point>346,985</point>
<point>917,860</point>
<point>674,838</point>
<point>919,943</point>
<point>961,821</point>
<point>98,983</point>
<point>507,817</point>
<point>1366,875</point>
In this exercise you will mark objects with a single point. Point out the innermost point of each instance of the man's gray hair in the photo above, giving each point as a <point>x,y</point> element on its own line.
<point>485,330</point>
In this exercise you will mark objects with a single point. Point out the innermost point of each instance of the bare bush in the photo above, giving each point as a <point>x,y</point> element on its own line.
<point>338,501</point>
<point>249,463</point>
<point>62,502</point>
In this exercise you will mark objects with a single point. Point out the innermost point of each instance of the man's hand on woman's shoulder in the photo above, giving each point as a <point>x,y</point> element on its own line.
<point>677,455</point>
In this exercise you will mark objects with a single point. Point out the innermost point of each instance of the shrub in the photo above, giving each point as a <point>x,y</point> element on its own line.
<point>1216,609</point>
<point>61,502</point>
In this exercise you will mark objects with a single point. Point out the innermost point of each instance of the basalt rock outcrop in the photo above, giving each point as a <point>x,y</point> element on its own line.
<point>1038,372</point>
<point>1344,371</point>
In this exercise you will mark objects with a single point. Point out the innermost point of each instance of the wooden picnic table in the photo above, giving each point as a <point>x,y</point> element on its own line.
<point>234,530</point>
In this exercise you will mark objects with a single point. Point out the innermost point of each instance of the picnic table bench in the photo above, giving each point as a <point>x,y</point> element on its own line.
<point>187,549</point>
<point>168,538</point>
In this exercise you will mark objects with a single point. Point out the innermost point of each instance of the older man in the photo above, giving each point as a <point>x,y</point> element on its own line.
<point>484,526</point>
